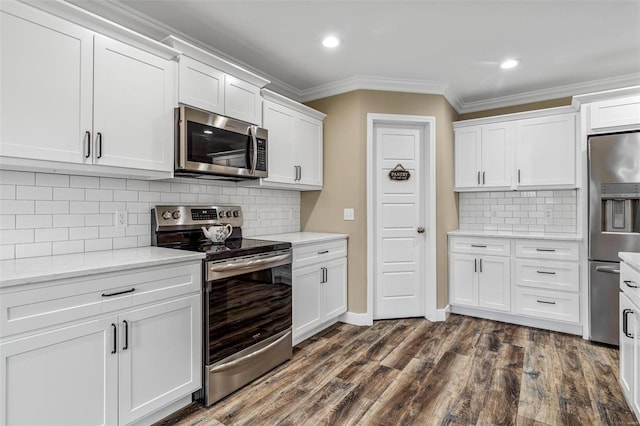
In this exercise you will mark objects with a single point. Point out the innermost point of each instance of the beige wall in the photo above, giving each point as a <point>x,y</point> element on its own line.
<point>517,108</point>
<point>345,177</point>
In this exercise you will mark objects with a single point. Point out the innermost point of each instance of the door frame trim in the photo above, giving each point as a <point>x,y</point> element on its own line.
<point>429,125</point>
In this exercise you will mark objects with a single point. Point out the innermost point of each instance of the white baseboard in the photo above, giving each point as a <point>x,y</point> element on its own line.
<point>356,319</point>
<point>443,314</point>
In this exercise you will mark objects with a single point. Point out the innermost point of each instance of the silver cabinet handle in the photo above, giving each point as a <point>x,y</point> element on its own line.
<point>546,302</point>
<point>99,145</point>
<point>628,283</point>
<point>546,272</point>
<point>475,265</point>
<point>608,269</point>
<point>518,175</point>
<point>323,252</point>
<point>483,181</point>
<point>625,323</point>
<point>478,178</point>
<point>480,264</point>
<point>546,250</point>
<point>479,245</point>
<point>126,336</point>
<point>115,337</point>
<point>87,144</point>
<point>299,172</point>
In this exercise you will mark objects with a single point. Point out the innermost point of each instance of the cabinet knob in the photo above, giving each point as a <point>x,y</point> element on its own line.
<point>420,230</point>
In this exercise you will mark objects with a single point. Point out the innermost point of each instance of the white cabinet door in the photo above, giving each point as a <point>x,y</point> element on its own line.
<point>63,377</point>
<point>280,122</point>
<point>133,111</point>
<point>160,356</point>
<point>495,154</point>
<point>46,77</point>
<point>242,100</point>
<point>545,151</point>
<point>308,148</point>
<point>200,85</point>
<point>306,299</point>
<point>334,289</point>
<point>634,327</point>
<point>493,283</point>
<point>467,157</point>
<point>463,278</point>
<point>627,323</point>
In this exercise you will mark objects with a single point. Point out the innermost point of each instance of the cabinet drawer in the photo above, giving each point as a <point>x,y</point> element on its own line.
<point>487,246</point>
<point>320,252</point>
<point>543,249</point>
<point>547,274</point>
<point>547,304</point>
<point>68,300</point>
<point>629,279</point>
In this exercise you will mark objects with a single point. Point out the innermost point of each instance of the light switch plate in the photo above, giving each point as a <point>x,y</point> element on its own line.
<point>349,214</point>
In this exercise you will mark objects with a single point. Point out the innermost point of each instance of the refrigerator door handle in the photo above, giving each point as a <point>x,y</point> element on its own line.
<point>608,269</point>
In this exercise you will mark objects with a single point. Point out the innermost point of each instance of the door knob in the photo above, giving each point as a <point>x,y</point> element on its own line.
<point>420,230</point>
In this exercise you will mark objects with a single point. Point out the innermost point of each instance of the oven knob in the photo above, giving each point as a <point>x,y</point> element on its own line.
<point>229,214</point>
<point>176,214</point>
<point>221,214</point>
<point>166,215</point>
<point>236,213</point>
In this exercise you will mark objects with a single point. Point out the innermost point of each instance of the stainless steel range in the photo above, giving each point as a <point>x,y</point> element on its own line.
<point>247,295</point>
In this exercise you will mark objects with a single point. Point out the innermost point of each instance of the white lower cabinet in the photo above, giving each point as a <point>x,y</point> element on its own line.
<point>630,335</point>
<point>319,287</point>
<point>479,280</point>
<point>140,353</point>
<point>529,280</point>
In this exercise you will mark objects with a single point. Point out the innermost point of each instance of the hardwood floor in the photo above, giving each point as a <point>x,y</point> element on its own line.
<point>464,371</point>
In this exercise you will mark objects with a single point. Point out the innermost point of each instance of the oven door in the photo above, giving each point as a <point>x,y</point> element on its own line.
<point>214,144</point>
<point>247,301</point>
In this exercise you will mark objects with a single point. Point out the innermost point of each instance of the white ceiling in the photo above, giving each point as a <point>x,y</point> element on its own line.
<point>450,47</point>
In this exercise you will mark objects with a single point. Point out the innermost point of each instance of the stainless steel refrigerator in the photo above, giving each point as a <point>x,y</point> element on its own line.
<point>614,224</point>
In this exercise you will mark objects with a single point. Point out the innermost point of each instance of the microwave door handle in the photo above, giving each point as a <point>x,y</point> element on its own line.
<point>254,141</point>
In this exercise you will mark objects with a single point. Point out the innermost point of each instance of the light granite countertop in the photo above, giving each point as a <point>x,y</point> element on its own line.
<point>631,258</point>
<point>300,238</point>
<point>513,234</point>
<point>46,268</point>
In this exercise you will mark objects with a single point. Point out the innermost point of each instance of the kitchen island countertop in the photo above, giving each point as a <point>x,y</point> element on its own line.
<point>32,270</point>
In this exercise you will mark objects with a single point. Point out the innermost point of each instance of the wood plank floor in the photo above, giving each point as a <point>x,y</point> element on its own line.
<point>464,371</point>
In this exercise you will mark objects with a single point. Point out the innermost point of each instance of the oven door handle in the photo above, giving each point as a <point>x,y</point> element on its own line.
<point>247,357</point>
<point>266,262</point>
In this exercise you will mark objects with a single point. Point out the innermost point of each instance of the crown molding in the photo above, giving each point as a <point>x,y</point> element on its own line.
<point>272,96</point>
<point>368,82</point>
<point>577,101</point>
<point>552,93</point>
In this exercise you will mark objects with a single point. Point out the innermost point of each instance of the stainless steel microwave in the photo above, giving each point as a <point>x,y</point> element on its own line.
<point>211,144</point>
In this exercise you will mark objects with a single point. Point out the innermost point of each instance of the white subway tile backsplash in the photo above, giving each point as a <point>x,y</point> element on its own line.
<point>34,193</point>
<point>33,250</point>
<point>50,179</point>
<point>33,221</point>
<point>59,214</point>
<point>525,211</point>
<point>9,177</point>
<point>52,207</point>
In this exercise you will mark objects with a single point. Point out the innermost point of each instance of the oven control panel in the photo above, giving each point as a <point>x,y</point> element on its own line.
<point>195,216</point>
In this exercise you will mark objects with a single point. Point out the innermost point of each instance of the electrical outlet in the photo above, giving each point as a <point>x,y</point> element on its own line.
<point>548,214</point>
<point>259,215</point>
<point>121,219</point>
<point>494,212</point>
<point>349,214</point>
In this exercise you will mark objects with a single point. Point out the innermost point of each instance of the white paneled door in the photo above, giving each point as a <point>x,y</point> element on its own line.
<point>399,222</point>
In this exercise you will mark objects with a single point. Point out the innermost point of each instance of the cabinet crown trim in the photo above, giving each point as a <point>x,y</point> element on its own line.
<point>515,116</point>
<point>208,58</point>
<point>290,103</point>
<point>100,25</point>
<point>605,95</point>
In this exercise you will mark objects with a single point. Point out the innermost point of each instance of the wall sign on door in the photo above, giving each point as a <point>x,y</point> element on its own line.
<point>399,173</point>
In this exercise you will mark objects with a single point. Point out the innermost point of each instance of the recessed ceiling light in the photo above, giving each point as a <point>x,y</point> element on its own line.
<point>509,63</point>
<point>330,41</point>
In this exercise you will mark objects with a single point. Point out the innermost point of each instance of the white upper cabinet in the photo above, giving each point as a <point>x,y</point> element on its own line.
<point>483,156</point>
<point>47,83</point>
<point>545,151</point>
<point>73,100</point>
<point>132,107</point>
<point>213,84</point>
<point>294,146</point>
<point>200,85</point>
<point>534,150</point>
